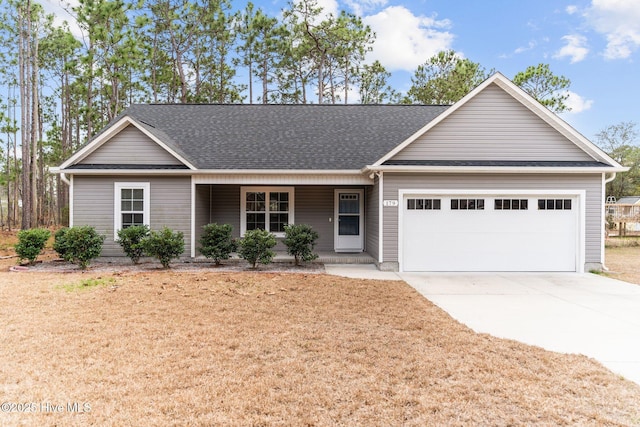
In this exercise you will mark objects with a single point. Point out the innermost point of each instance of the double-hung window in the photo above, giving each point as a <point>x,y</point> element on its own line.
<point>131,205</point>
<point>266,208</point>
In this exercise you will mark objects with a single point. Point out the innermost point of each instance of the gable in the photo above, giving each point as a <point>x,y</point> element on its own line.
<point>492,126</point>
<point>130,146</point>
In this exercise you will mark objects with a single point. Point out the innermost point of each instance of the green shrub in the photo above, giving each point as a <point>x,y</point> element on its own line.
<point>79,244</point>
<point>300,239</point>
<point>256,247</point>
<point>31,243</point>
<point>216,242</point>
<point>164,245</point>
<point>131,241</point>
<point>60,242</point>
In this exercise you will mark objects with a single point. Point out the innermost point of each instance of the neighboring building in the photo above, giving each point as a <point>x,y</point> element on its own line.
<point>629,200</point>
<point>495,182</point>
<point>624,214</point>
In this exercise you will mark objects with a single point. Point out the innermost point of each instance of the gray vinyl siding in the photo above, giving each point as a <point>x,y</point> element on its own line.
<point>130,147</point>
<point>224,206</point>
<point>202,210</point>
<point>372,201</point>
<point>170,202</point>
<point>492,126</point>
<point>592,184</point>
<point>314,205</point>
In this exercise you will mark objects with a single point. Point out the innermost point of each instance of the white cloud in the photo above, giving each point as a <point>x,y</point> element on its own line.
<point>577,103</point>
<point>62,12</point>
<point>619,22</point>
<point>404,41</point>
<point>529,46</point>
<point>328,6</point>
<point>360,7</point>
<point>571,9</point>
<point>575,48</point>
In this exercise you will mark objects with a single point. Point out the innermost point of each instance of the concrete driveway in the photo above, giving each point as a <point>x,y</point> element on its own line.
<point>565,312</point>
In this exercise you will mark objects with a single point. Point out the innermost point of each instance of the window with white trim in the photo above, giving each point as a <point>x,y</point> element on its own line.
<point>266,208</point>
<point>131,205</point>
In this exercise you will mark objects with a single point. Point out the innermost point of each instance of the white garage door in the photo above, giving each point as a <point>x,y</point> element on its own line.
<point>489,233</point>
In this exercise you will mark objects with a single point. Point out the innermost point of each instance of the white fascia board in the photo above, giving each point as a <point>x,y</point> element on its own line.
<point>495,169</point>
<point>124,171</point>
<point>114,130</point>
<point>285,177</point>
<point>350,172</point>
<point>279,171</point>
<point>262,177</point>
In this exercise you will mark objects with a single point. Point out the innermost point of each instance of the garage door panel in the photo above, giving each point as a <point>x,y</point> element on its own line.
<point>489,240</point>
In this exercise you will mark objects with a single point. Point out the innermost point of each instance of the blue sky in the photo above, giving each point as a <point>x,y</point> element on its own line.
<point>595,43</point>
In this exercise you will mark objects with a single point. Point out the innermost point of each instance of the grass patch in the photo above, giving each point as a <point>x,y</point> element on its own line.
<point>622,242</point>
<point>87,284</point>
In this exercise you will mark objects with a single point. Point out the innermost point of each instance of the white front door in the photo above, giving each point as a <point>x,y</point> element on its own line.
<point>349,224</point>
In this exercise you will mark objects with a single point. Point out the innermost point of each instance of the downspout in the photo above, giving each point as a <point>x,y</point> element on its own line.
<point>380,218</point>
<point>63,178</point>
<point>604,218</point>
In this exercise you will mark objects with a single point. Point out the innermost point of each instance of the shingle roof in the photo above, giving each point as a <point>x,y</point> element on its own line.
<point>316,137</point>
<point>628,200</point>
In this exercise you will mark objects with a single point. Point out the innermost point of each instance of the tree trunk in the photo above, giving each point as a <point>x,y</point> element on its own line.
<point>25,87</point>
<point>35,132</point>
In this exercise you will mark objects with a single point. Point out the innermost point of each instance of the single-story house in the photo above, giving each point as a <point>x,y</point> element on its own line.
<point>495,182</point>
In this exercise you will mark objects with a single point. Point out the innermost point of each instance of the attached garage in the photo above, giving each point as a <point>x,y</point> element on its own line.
<point>490,231</point>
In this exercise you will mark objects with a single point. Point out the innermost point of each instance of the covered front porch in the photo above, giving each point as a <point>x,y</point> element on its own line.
<point>341,214</point>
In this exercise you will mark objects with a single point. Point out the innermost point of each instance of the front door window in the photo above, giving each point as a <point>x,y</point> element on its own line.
<point>349,228</point>
<point>349,214</point>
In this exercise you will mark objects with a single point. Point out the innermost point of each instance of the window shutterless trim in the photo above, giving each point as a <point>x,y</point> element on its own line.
<point>117,203</point>
<point>267,212</point>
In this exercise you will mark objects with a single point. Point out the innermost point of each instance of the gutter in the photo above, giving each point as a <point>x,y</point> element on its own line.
<point>189,172</point>
<point>63,178</point>
<point>613,176</point>
<point>493,169</point>
<point>63,175</point>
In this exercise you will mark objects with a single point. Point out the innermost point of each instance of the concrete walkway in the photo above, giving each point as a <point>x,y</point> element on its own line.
<point>564,312</point>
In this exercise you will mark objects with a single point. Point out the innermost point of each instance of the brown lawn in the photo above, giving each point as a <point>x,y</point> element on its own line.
<point>225,348</point>
<point>624,263</point>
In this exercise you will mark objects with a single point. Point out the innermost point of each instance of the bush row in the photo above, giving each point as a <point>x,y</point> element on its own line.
<point>256,246</point>
<point>82,244</point>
